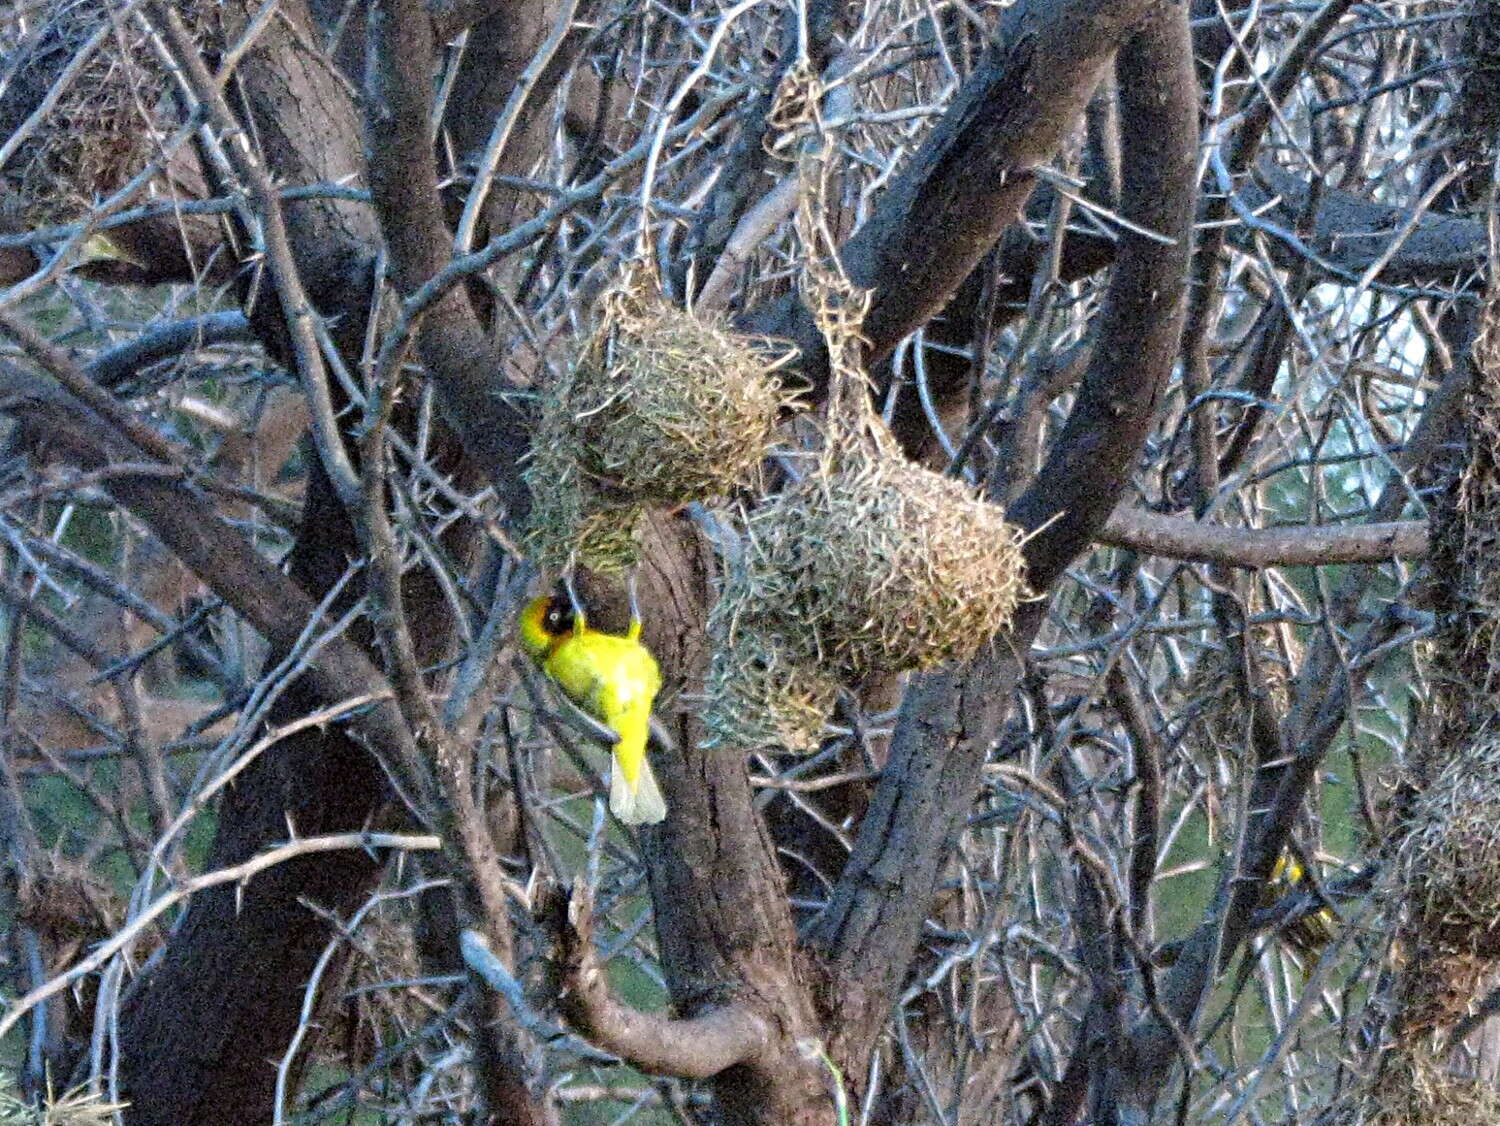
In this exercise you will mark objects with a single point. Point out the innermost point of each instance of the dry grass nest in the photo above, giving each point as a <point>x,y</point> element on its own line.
<point>873,565</point>
<point>1416,1090</point>
<point>1452,853</point>
<point>101,130</point>
<point>762,691</point>
<point>660,408</point>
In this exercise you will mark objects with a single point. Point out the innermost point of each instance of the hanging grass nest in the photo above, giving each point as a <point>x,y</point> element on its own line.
<point>102,127</point>
<point>763,690</point>
<point>660,408</point>
<point>871,564</point>
<point>1414,1089</point>
<point>1452,854</point>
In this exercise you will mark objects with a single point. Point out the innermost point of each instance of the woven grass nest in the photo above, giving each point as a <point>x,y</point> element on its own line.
<point>1419,1091</point>
<point>660,408</point>
<point>101,129</point>
<point>77,1107</point>
<point>870,564</point>
<point>1452,853</point>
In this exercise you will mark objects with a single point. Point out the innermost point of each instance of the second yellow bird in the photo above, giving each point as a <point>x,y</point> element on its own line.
<point>1309,934</point>
<point>615,680</point>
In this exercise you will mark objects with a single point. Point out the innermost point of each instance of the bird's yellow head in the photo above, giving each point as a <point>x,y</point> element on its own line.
<point>544,623</point>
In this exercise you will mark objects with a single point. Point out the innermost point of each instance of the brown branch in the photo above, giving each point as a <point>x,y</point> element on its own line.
<point>718,892</point>
<point>162,342</point>
<point>228,565</point>
<point>1139,327</point>
<point>237,874</point>
<point>449,17</point>
<point>55,362</point>
<point>197,1028</point>
<point>973,174</point>
<point>697,1047</point>
<point>1178,537</point>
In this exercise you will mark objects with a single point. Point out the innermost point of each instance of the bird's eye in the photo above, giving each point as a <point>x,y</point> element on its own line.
<point>558,618</point>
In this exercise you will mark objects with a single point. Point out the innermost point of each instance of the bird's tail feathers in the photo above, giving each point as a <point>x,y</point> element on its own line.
<point>642,806</point>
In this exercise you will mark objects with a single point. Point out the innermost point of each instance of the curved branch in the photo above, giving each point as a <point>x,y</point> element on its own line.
<point>950,719</point>
<point>1141,322</point>
<point>162,342</point>
<point>970,179</point>
<point>697,1047</point>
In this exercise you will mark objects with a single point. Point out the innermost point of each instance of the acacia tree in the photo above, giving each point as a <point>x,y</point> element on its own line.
<point>1188,291</point>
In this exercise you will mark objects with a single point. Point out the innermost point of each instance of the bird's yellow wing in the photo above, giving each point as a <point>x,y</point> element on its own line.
<point>605,675</point>
<point>615,679</point>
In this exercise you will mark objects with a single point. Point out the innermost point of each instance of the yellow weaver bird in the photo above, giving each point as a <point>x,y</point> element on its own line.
<point>612,678</point>
<point>1309,934</point>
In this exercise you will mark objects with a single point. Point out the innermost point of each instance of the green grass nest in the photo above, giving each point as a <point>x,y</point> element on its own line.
<point>872,565</point>
<point>660,408</point>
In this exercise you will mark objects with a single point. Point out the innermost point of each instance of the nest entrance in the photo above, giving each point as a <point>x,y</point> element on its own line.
<point>660,408</point>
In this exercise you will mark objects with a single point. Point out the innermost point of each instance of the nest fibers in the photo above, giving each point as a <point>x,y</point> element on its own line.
<point>102,127</point>
<point>1452,854</point>
<point>1414,1089</point>
<point>871,564</point>
<point>661,408</point>
<point>78,1107</point>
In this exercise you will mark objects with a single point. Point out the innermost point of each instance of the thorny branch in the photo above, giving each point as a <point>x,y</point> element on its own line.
<point>1033,889</point>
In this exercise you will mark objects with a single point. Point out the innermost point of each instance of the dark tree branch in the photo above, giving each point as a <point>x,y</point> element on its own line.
<point>165,341</point>
<point>1136,341</point>
<point>724,926</point>
<point>449,17</point>
<point>197,1028</point>
<point>229,566</point>
<point>950,719</point>
<point>1357,232</point>
<point>947,724</point>
<point>971,177</point>
<point>974,173</point>
<point>1146,826</point>
<point>455,350</point>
